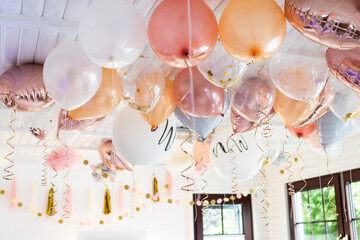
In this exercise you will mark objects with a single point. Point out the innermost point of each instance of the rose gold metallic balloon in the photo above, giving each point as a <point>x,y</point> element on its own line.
<point>345,65</point>
<point>68,124</point>
<point>239,123</point>
<point>171,37</point>
<point>335,23</point>
<point>326,97</point>
<point>22,88</point>
<point>111,158</point>
<point>302,132</point>
<point>203,99</point>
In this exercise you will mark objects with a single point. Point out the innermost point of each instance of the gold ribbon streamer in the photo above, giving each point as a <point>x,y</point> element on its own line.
<point>302,168</point>
<point>9,175</point>
<point>192,181</point>
<point>291,187</point>
<point>204,201</point>
<point>333,209</point>
<point>234,187</point>
<point>66,212</point>
<point>265,201</point>
<point>44,164</point>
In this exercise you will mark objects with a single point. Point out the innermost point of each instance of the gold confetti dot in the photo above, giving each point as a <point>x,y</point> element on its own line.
<point>213,202</point>
<point>296,159</point>
<point>137,209</point>
<point>20,204</point>
<point>60,221</point>
<point>138,90</point>
<point>169,201</point>
<point>101,222</point>
<point>120,217</point>
<point>282,171</point>
<point>98,171</point>
<point>39,214</point>
<point>232,198</point>
<point>225,73</point>
<point>2,192</point>
<point>166,186</point>
<point>126,187</point>
<point>105,175</point>
<point>251,190</point>
<point>86,162</point>
<point>192,203</point>
<point>206,202</point>
<point>147,195</point>
<point>81,223</point>
<point>125,73</point>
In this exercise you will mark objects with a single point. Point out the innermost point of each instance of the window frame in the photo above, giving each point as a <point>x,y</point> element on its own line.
<point>246,212</point>
<point>341,199</point>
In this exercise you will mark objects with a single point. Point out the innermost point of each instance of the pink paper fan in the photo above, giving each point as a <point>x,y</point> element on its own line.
<point>62,158</point>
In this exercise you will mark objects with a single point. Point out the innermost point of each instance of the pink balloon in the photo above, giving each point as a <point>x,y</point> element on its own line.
<point>334,23</point>
<point>240,124</point>
<point>68,124</point>
<point>22,88</point>
<point>204,99</point>
<point>253,96</point>
<point>345,65</point>
<point>169,33</point>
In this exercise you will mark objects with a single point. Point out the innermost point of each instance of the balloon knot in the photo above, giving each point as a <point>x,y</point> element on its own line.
<point>153,129</point>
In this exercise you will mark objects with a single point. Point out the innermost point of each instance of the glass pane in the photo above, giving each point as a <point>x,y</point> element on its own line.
<point>232,215</point>
<point>303,231</point>
<point>302,207</point>
<point>316,205</point>
<point>330,203</point>
<point>318,231</point>
<point>212,221</point>
<point>355,190</point>
<point>332,230</point>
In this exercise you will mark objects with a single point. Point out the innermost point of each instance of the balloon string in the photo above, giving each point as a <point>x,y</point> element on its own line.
<point>44,164</point>
<point>189,186</point>
<point>333,208</point>
<point>9,175</point>
<point>53,208</point>
<point>204,201</point>
<point>302,168</point>
<point>291,187</point>
<point>66,212</point>
<point>259,72</point>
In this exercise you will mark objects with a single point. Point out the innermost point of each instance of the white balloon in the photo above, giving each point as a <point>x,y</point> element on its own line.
<point>70,78</point>
<point>247,159</point>
<point>136,143</point>
<point>112,33</point>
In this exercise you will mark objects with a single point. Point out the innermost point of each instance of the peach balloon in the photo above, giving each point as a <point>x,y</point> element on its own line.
<point>171,37</point>
<point>291,111</point>
<point>105,100</point>
<point>202,152</point>
<point>313,140</point>
<point>301,132</point>
<point>252,30</point>
<point>164,108</point>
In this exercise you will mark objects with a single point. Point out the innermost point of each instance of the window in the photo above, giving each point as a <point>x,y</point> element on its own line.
<point>321,212</point>
<point>225,221</point>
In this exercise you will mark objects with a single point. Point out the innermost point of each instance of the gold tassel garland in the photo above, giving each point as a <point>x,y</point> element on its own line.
<point>50,209</point>
<point>107,202</point>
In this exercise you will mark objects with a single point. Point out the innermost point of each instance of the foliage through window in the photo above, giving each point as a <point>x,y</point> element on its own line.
<point>228,220</point>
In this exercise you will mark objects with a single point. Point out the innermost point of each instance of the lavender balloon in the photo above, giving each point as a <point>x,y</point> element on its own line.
<point>332,129</point>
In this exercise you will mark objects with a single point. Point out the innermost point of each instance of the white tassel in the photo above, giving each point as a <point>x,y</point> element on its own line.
<point>91,202</point>
<point>33,200</point>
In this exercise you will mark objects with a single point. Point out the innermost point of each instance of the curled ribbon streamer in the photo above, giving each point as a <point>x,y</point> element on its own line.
<point>9,175</point>
<point>188,186</point>
<point>44,164</point>
<point>66,212</point>
<point>234,187</point>
<point>204,202</point>
<point>265,201</point>
<point>333,209</point>
<point>55,190</point>
<point>302,168</point>
<point>291,187</point>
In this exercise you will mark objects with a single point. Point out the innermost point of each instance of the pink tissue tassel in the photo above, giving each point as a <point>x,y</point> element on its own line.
<point>13,194</point>
<point>121,199</point>
<point>69,206</point>
<point>169,182</point>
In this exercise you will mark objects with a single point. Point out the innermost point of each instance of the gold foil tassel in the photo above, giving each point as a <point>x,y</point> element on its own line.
<point>50,208</point>
<point>107,202</point>
<point>156,196</point>
<point>9,175</point>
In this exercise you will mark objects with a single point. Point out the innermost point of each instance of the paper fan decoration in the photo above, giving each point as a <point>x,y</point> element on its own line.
<point>63,158</point>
